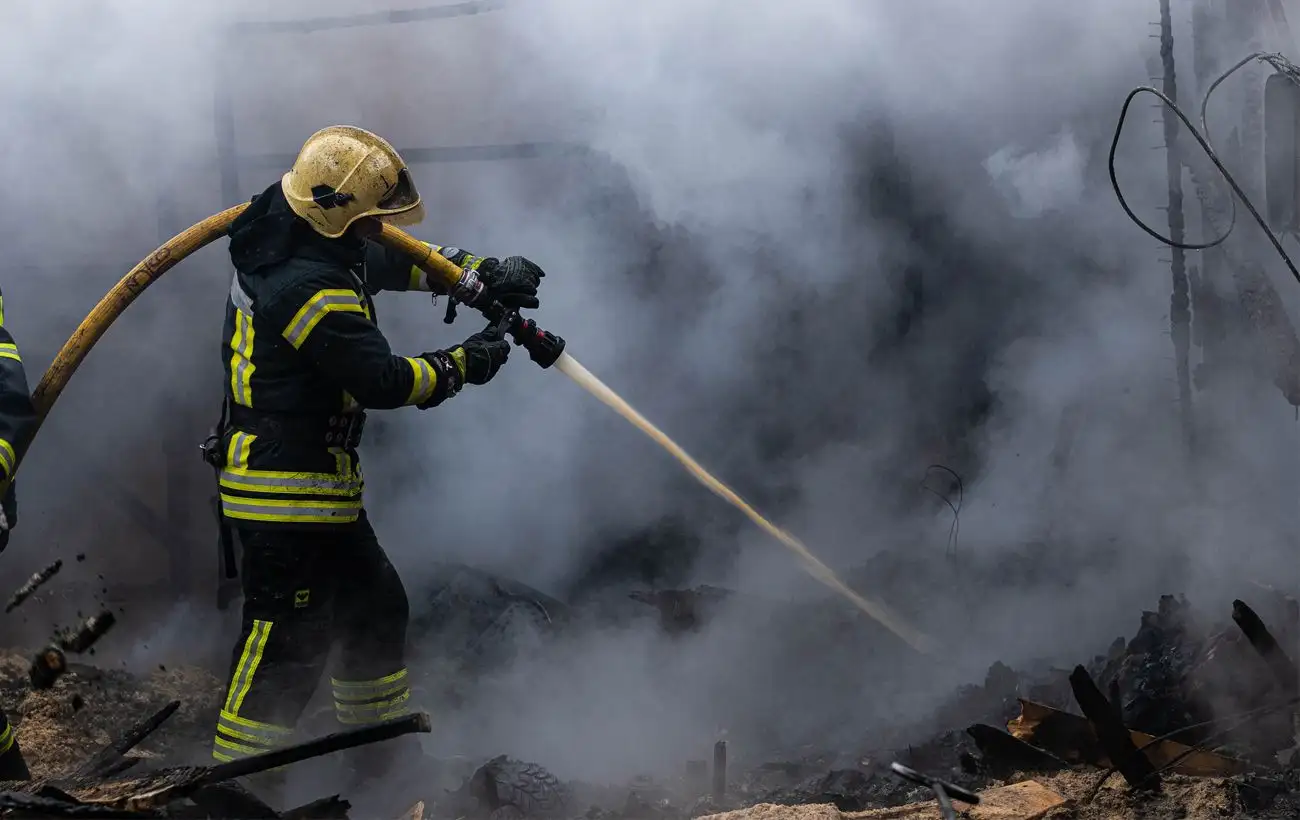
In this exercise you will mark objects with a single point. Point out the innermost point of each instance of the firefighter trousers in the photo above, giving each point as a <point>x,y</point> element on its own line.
<point>304,593</point>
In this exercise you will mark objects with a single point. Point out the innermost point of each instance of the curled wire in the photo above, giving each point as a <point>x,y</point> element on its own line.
<point>950,548</point>
<point>1278,62</point>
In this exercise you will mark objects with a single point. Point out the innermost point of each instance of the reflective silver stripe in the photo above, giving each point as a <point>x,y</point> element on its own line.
<point>9,350</point>
<point>372,712</point>
<point>425,380</point>
<point>310,314</point>
<point>254,645</point>
<point>251,732</point>
<point>314,511</point>
<point>242,301</point>
<point>356,691</point>
<point>302,483</point>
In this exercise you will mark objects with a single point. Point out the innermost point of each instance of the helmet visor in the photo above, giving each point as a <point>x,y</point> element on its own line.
<point>402,196</point>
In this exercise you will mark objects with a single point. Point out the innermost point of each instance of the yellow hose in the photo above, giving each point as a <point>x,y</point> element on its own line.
<point>198,236</point>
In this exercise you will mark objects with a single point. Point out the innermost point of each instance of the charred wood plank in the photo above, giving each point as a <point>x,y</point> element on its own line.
<point>1112,733</point>
<point>33,583</point>
<point>161,787</point>
<point>1279,663</point>
<point>29,805</point>
<point>1009,750</point>
<point>232,800</point>
<point>327,808</point>
<point>105,762</point>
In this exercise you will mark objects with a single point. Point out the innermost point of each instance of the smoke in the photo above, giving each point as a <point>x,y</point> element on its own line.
<point>823,245</point>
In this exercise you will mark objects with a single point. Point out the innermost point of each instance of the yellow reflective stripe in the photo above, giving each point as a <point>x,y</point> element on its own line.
<point>320,511</point>
<point>239,748</point>
<point>241,360</point>
<point>316,308</point>
<point>6,739</point>
<point>9,350</point>
<point>269,481</point>
<point>350,713</point>
<point>242,680</point>
<point>221,756</point>
<point>2,311</point>
<point>369,689</point>
<point>419,279</point>
<point>426,379</point>
<point>251,731</point>
<point>7,457</point>
<point>458,356</point>
<point>239,449</point>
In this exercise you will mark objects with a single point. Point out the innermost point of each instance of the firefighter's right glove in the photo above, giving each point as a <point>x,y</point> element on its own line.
<point>475,361</point>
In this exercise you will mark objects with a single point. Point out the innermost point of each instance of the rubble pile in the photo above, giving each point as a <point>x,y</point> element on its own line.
<point>1194,715</point>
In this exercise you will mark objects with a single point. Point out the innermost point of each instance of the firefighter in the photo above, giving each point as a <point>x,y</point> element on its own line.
<point>304,359</point>
<point>16,417</point>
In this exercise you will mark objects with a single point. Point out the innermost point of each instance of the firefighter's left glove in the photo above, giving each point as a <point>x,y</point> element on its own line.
<point>475,361</point>
<point>512,281</point>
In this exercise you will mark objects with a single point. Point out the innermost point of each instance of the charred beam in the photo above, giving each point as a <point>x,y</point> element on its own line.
<point>106,760</point>
<point>34,583</point>
<point>1282,667</point>
<point>1111,732</point>
<point>1008,750</point>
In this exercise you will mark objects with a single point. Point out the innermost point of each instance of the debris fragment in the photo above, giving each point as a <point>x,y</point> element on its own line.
<point>1282,667</point>
<point>47,666</point>
<point>33,583</point>
<point>1071,737</point>
<point>90,631</point>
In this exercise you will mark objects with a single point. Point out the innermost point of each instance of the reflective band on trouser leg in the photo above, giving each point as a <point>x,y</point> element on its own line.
<point>6,738</point>
<point>238,736</point>
<point>370,701</point>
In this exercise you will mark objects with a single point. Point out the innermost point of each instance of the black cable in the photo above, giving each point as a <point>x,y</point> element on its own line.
<point>950,547</point>
<point>1278,62</point>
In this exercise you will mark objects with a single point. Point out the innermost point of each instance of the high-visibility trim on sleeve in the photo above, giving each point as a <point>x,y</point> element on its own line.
<point>316,308</point>
<point>9,350</point>
<point>241,360</point>
<point>7,458</point>
<point>242,680</point>
<point>2,311</point>
<point>426,380</point>
<point>420,279</point>
<point>6,738</point>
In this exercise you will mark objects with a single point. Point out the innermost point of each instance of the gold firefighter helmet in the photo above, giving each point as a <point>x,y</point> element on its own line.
<point>343,174</point>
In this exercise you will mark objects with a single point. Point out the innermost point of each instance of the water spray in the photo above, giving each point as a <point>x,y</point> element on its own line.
<point>544,348</point>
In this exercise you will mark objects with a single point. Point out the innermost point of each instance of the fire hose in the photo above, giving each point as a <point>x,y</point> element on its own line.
<point>544,348</point>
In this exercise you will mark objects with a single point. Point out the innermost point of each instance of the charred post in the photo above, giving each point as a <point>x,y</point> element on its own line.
<point>1279,663</point>
<point>1112,734</point>
<point>719,772</point>
<point>1180,316</point>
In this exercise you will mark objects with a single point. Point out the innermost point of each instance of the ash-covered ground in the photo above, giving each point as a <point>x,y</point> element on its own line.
<point>1203,692</point>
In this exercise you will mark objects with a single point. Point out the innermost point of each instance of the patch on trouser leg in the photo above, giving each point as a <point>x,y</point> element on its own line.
<point>370,701</point>
<point>239,736</point>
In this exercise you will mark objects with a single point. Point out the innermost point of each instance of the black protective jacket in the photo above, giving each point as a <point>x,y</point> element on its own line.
<point>303,356</point>
<point>16,412</point>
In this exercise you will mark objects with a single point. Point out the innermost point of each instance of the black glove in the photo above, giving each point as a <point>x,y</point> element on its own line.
<point>475,361</point>
<point>481,355</point>
<point>512,281</point>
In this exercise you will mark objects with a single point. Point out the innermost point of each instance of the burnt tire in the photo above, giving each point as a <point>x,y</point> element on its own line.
<point>527,788</point>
